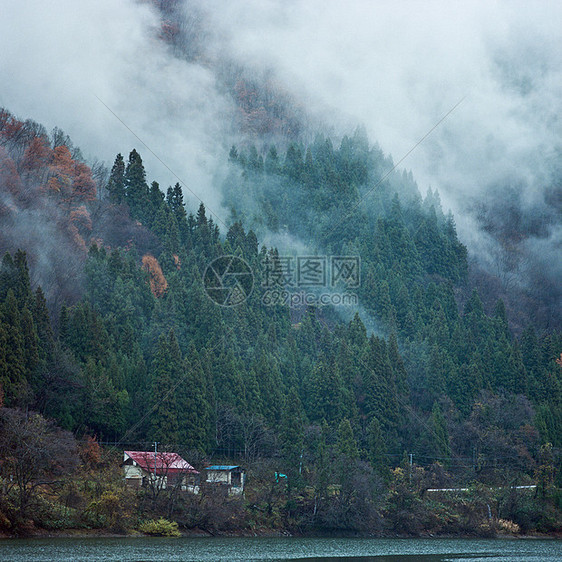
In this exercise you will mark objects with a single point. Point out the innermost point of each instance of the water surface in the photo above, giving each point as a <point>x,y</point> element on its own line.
<point>279,550</point>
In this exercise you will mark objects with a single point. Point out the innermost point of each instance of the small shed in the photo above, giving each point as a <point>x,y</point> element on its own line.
<point>230,476</point>
<point>165,470</point>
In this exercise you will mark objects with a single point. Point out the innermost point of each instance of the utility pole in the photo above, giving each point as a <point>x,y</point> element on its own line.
<point>155,452</point>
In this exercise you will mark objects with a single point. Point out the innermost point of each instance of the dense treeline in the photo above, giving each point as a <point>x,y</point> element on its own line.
<point>145,355</point>
<point>145,325</point>
<point>414,270</point>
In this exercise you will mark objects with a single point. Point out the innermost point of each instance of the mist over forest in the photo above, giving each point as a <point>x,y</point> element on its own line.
<point>190,79</point>
<point>142,142</point>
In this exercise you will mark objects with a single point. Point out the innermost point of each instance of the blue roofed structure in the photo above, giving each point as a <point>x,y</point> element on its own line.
<point>232,477</point>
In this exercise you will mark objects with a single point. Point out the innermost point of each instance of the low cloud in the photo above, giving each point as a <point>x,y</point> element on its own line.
<point>396,68</point>
<point>58,59</point>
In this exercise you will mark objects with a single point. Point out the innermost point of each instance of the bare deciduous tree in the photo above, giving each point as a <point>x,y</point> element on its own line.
<point>33,453</point>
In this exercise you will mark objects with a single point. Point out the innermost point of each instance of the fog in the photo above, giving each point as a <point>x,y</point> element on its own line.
<point>59,57</point>
<point>396,68</point>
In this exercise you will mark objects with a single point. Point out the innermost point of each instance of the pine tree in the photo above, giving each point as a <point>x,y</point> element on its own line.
<point>116,183</point>
<point>194,408</point>
<point>439,434</point>
<point>43,324</point>
<point>201,219</point>
<point>136,188</point>
<point>293,162</point>
<point>13,361</point>
<point>357,333</point>
<point>156,202</point>
<point>8,275</point>
<point>271,386</point>
<point>22,286</point>
<point>64,325</point>
<point>272,165</point>
<point>398,367</point>
<point>30,346</point>
<point>376,448</point>
<point>380,390</point>
<point>326,393</point>
<point>166,373</point>
<point>346,445</point>
<point>233,154</point>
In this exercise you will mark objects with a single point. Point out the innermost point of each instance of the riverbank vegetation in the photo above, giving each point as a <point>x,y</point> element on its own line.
<point>350,499</point>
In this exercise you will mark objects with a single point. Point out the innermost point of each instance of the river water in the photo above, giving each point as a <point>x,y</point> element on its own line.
<point>279,549</point>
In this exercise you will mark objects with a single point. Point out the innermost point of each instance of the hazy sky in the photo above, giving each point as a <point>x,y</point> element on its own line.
<point>395,67</point>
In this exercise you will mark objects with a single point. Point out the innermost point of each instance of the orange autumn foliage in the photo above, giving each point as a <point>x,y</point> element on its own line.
<point>158,283</point>
<point>35,157</point>
<point>62,170</point>
<point>70,178</point>
<point>83,186</point>
<point>81,218</point>
<point>62,161</point>
<point>77,238</point>
<point>80,221</point>
<point>90,452</point>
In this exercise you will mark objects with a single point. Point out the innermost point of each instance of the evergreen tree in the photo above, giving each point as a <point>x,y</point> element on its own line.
<point>439,435</point>
<point>325,393</point>
<point>379,386</point>
<point>376,448</point>
<point>346,445</point>
<point>156,202</point>
<point>166,377</point>
<point>43,324</point>
<point>136,188</point>
<point>194,407</point>
<point>12,360</point>
<point>116,183</point>
<point>30,346</point>
<point>22,286</point>
<point>272,165</point>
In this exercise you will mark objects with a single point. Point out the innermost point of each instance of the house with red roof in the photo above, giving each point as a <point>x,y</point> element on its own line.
<point>160,469</point>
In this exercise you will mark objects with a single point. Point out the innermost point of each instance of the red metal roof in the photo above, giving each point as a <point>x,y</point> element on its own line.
<point>166,463</point>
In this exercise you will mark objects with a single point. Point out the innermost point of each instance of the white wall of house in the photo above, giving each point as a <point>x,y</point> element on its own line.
<point>224,477</point>
<point>218,476</point>
<point>133,471</point>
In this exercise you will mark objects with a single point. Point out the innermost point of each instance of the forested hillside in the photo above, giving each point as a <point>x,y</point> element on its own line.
<point>106,326</point>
